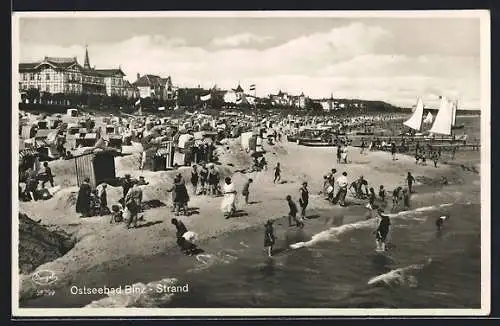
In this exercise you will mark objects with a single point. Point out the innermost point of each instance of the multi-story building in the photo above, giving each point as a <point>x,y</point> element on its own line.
<point>169,91</point>
<point>52,75</point>
<point>113,79</point>
<point>150,86</point>
<point>65,75</point>
<point>130,90</point>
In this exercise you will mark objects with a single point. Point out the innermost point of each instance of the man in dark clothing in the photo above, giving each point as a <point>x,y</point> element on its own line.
<point>181,228</point>
<point>410,180</point>
<point>245,192</point>
<point>83,200</point>
<point>126,185</point>
<point>382,231</point>
<point>393,150</point>
<point>47,175</point>
<point>304,200</point>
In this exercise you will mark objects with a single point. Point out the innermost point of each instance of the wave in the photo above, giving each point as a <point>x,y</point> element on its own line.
<point>400,276</point>
<point>139,294</point>
<point>333,232</point>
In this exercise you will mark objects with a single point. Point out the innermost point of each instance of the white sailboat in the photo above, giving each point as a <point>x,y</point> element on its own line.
<point>444,118</point>
<point>415,121</point>
<point>429,118</point>
<point>454,118</point>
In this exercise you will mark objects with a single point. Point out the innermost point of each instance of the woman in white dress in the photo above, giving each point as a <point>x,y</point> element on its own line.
<point>228,206</point>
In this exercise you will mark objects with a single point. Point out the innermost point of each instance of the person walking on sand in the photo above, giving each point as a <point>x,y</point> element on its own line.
<point>83,200</point>
<point>181,195</point>
<point>203,179</point>
<point>269,237</point>
<point>343,183</point>
<point>126,185</point>
<point>435,158</point>
<point>331,187</point>
<point>410,180</point>
<point>303,200</point>
<point>339,153</point>
<point>194,178</point>
<point>245,192</point>
<point>344,155</point>
<point>363,146</point>
<point>277,173</point>
<point>133,202</point>
<point>381,193</point>
<point>103,198</point>
<point>228,206</point>
<point>382,230</point>
<point>213,180</point>
<point>48,176</point>
<point>393,150</point>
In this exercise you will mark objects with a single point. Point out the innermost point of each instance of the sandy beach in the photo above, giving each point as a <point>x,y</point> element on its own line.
<point>99,243</point>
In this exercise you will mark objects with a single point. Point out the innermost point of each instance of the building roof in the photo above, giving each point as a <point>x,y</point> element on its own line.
<point>166,81</point>
<point>110,72</point>
<point>148,80</point>
<point>56,63</point>
<point>238,89</point>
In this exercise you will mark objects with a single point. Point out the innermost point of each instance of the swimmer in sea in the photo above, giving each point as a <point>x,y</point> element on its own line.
<point>382,230</point>
<point>440,222</point>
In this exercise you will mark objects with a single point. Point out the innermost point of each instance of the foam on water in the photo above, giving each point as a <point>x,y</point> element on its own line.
<point>143,296</point>
<point>400,276</point>
<point>332,233</point>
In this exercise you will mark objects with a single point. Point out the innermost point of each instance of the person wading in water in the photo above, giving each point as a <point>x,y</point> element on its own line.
<point>269,237</point>
<point>410,180</point>
<point>304,200</point>
<point>292,213</point>
<point>382,230</point>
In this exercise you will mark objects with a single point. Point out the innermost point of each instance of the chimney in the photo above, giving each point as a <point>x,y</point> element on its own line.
<point>138,76</point>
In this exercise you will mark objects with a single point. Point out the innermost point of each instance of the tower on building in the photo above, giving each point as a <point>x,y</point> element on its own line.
<point>86,65</point>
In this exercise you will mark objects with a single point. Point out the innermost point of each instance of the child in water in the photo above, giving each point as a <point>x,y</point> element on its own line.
<point>382,230</point>
<point>381,193</point>
<point>406,199</point>
<point>269,238</point>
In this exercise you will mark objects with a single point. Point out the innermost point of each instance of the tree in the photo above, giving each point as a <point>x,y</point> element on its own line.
<point>33,94</point>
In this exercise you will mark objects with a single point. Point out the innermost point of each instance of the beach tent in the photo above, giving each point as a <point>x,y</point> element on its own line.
<point>98,166</point>
<point>245,140</point>
<point>183,139</point>
<point>71,113</point>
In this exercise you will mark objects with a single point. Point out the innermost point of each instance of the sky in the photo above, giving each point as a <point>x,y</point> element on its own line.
<point>390,59</point>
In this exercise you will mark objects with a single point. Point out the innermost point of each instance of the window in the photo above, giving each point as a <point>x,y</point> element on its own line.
<point>38,76</point>
<point>47,77</point>
<point>47,88</point>
<point>32,77</point>
<point>25,77</point>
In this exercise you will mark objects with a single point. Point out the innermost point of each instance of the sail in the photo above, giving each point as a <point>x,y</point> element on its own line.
<point>443,120</point>
<point>415,121</point>
<point>429,118</point>
<point>454,116</point>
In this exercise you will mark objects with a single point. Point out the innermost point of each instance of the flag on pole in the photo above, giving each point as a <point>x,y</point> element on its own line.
<point>138,101</point>
<point>252,87</point>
